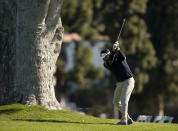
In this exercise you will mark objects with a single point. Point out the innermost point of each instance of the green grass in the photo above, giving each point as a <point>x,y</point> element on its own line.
<point>36,118</point>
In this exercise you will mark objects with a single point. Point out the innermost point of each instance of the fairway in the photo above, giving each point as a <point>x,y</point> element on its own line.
<point>36,118</point>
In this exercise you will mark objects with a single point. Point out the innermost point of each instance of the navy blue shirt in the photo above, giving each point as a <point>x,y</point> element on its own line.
<point>117,64</point>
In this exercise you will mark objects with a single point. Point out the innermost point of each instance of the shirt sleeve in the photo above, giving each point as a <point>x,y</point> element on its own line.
<point>107,65</point>
<point>119,56</point>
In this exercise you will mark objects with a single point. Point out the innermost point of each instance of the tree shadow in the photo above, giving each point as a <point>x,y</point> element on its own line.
<point>58,121</point>
<point>10,111</point>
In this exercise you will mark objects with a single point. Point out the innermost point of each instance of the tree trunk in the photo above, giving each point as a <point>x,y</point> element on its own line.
<point>158,105</point>
<point>30,36</point>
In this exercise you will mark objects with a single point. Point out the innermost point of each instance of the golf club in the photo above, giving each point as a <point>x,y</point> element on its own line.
<point>121,29</point>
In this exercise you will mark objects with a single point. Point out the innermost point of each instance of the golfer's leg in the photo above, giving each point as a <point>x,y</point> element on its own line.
<point>127,89</point>
<point>117,96</point>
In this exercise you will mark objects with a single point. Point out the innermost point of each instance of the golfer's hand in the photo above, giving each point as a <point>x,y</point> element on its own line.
<point>116,45</point>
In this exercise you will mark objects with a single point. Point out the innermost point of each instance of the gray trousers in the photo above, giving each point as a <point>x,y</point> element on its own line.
<point>122,95</point>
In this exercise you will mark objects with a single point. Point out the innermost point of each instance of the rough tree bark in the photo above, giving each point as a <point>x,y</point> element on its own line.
<point>30,41</point>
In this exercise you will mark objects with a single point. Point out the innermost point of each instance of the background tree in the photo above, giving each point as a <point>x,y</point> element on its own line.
<point>87,77</point>
<point>78,17</point>
<point>85,72</point>
<point>163,23</point>
<point>30,36</point>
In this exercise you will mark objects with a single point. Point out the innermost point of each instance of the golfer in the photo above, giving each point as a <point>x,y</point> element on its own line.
<point>116,62</point>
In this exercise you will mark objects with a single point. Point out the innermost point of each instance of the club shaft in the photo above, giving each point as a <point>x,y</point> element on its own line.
<point>121,29</point>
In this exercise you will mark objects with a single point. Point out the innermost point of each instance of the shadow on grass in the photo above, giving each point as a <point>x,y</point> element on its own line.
<point>57,121</point>
<point>10,111</point>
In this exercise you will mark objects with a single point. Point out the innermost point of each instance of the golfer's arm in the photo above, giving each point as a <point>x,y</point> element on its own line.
<point>106,64</point>
<point>120,55</point>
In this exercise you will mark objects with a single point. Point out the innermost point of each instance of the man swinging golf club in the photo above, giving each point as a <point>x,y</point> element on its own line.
<point>116,62</point>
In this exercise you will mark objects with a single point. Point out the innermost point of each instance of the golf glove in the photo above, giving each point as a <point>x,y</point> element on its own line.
<point>115,45</point>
